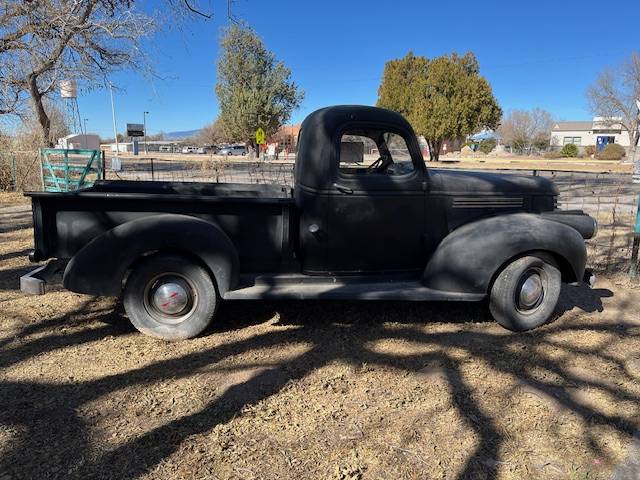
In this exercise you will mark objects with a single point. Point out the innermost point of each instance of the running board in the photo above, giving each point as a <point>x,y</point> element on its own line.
<point>334,289</point>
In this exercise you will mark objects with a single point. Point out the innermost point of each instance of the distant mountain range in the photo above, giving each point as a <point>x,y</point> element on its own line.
<point>181,135</point>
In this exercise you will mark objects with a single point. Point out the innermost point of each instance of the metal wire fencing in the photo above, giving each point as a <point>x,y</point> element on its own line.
<point>20,171</point>
<point>211,168</point>
<point>611,198</point>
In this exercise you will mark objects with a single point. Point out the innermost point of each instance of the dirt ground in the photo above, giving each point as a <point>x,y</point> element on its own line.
<point>314,390</point>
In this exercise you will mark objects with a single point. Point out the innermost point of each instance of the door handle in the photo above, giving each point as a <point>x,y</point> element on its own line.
<point>343,189</point>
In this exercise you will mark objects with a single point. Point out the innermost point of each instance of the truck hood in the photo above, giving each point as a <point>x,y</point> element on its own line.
<point>463,182</point>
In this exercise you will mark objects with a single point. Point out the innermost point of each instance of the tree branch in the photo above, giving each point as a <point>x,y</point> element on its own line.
<point>186,2</point>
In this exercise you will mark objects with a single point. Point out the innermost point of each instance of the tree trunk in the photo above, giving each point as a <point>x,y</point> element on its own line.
<point>436,150</point>
<point>254,154</point>
<point>429,144</point>
<point>41,113</point>
<point>633,153</point>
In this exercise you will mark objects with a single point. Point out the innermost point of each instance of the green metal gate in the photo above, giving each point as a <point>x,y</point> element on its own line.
<point>65,170</point>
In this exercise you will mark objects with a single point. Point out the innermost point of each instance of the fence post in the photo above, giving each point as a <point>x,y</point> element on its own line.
<point>152,175</point>
<point>41,158</point>
<point>633,270</point>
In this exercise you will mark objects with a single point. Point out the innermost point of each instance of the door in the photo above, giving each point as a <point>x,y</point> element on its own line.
<point>376,203</point>
<point>603,141</point>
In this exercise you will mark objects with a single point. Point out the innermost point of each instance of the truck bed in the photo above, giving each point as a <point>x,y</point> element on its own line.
<point>257,218</point>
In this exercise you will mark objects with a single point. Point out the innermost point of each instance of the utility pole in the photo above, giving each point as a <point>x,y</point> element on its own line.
<point>634,149</point>
<point>114,165</point>
<point>144,129</point>
<point>85,142</point>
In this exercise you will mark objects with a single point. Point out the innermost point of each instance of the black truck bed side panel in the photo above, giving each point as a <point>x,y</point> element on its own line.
<point>258,224</point>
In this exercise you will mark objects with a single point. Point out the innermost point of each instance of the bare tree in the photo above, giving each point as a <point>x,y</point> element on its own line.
<point>45,41</point>
<point>524,129</point>
<point>28,135</point>
<point>615,96</point>
<point>211,134</point>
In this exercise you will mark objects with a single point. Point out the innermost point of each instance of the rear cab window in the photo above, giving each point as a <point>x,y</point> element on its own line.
<point>374,152</point>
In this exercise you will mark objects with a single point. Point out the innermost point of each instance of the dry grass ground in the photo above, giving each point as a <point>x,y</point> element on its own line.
<point>535,163</point>
<point>331,390</point>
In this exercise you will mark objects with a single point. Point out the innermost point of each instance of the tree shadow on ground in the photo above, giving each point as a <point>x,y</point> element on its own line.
<point>53,440</point>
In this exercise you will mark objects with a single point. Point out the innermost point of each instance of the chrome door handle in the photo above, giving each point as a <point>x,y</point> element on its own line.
<point>343,189</point>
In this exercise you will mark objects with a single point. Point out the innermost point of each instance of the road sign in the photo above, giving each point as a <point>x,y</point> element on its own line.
<point>260,136</point>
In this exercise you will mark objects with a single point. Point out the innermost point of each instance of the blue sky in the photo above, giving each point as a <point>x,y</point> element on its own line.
<point>535,53</point>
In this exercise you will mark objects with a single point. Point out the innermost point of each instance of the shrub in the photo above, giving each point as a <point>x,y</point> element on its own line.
<point>6,177</point>
<point>486,146</point>
<point>612,151</point>
<point>552,155</point>
<point>541,143</point>
<point>590,150</point>
<point>569,150</point>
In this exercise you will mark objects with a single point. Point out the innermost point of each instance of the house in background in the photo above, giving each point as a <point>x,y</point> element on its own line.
<point>287,138</point>
<point>599,132</point>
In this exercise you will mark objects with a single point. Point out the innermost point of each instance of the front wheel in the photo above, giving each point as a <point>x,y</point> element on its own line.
<point>525,293</point>
<point>170,297</point>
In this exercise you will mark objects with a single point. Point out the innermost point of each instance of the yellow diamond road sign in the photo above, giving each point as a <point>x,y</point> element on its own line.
<point>260,136</point>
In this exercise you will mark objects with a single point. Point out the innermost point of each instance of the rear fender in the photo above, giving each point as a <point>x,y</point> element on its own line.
<point>470,256</point>
<point>100,266</point>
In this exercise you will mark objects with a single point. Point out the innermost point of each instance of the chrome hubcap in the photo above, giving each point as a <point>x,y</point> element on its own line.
<point>531,292</point>
<point>170,298</point>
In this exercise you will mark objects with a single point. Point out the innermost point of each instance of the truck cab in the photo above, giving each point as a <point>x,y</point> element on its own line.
<point>366,219</point>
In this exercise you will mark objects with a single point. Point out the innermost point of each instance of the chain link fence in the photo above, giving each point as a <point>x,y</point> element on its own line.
<point>611,198</point>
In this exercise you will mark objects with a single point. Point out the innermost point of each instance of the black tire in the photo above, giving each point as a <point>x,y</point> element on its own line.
<point>518,308</point>
<point>151,283</point>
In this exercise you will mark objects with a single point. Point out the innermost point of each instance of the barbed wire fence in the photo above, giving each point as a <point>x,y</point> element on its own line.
<point>611,198</point>
<point>217,169</point>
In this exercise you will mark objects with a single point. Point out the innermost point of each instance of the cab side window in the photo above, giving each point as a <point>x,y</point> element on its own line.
<point>374,152</point>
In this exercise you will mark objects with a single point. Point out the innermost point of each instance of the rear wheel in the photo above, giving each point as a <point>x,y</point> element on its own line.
<point>525,293</point>
<point>170,297</point>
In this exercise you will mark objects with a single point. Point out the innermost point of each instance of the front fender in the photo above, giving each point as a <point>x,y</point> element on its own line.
<point>100,266</point>
<point>469,257</point>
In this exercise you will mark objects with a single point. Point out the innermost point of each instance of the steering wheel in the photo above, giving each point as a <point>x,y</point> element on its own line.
<point>381,164</point>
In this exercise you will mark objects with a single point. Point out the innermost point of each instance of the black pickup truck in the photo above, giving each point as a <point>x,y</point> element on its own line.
<point>366,220</point>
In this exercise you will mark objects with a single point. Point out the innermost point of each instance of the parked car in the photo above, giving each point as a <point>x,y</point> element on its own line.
<point>206,149</point>
<point>390,230</point>
<point>165,148</point>
<point>189,149</point>
<point>233,150</point>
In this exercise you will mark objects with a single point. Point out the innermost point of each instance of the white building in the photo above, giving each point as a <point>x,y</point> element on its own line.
<point>598,132</point>
<point>151,145</point>
<point>90,141</point>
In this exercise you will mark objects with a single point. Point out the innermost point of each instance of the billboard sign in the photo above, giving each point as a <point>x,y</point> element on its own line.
<point>135,130</point>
